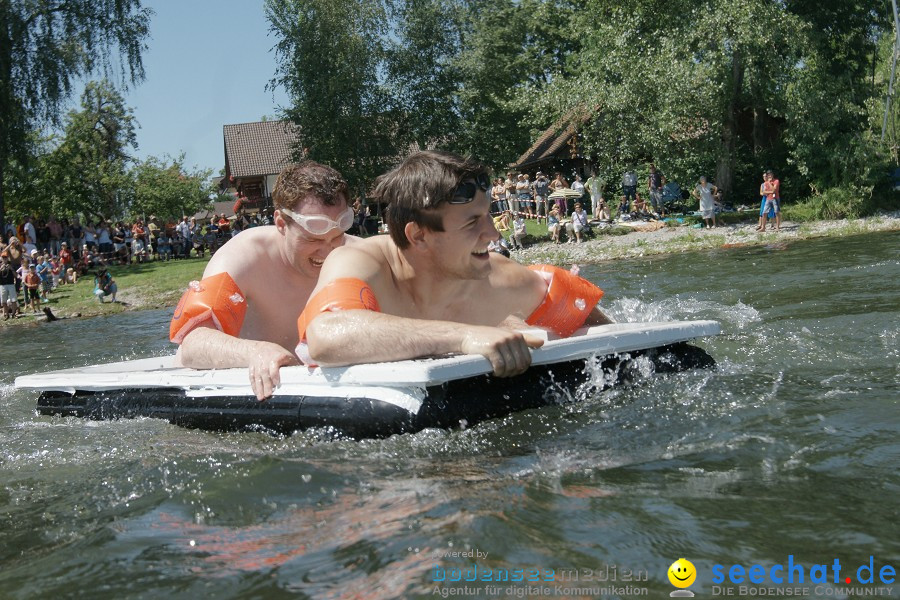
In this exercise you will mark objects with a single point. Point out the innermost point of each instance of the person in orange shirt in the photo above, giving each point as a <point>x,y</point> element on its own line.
<point>32,283</point>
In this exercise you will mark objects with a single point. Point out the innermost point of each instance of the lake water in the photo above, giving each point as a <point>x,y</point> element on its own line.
<point>789,448</point>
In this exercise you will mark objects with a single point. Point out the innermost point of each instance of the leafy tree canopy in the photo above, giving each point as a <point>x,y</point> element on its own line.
<point>45,45</point>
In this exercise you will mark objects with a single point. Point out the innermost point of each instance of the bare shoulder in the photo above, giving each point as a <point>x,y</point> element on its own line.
<point>516,282</point>
<point>243,254</point>
<point>361,258</point>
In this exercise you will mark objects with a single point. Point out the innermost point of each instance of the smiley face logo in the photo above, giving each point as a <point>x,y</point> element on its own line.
<point>682,573</point>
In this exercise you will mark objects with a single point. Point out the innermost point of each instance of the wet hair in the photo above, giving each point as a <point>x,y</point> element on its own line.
<point>417,187</point>
<point>297,183</point>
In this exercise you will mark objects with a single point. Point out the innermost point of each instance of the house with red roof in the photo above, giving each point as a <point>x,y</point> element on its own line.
<point>254,155</point>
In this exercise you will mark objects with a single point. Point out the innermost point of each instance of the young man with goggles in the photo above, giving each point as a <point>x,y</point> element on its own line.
<point>243,313</point>
<point>432,287</point>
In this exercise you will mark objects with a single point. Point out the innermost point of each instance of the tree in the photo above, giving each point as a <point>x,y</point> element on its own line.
<point>44,46</point>
<point>422,77</point>
<point>721,87</point>
<point>163,187</point>
<point>331,54</point>
<point>510,50</point>
<point>92,164</point>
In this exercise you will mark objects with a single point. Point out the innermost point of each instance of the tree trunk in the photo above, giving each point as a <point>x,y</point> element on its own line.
<point>759,130</point>
<point>2,204</point>
<point>725,168</point>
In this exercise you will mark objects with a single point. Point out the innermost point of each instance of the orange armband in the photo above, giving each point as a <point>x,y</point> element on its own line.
<point>216,298</point>
<point>341,294</point>
<point>568,302</point>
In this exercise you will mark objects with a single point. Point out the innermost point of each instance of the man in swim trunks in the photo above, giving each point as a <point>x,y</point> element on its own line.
<point>432,287</point>
<point>273,269</point>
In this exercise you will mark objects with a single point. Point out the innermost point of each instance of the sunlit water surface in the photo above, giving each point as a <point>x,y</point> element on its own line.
<point>789,447</point>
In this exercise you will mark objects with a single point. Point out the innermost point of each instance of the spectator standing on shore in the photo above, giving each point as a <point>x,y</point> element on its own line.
<point>153,230</point>
<point>498,196</point>
<point>43,236</point>
<point>523,192</point>
<point>594,186</point>
<point>541,191</point>
<point>45,272</point>
<point>29,233</point>
<point>104,241</point>
<point>76,238</point>
<point>762,203</point>
<point>15,251</point>
<point>8,296</point>
<point>32,282</point>
<point>629,185</point>
<point>184,230</point>
<point>578,186</point>
<point>120,251</point>
<point>170,227</point>
<point>511,197</point>
<point>56,271</point>
<point>559,183</point>
<point>772,190</point>
<point>56,233</point>
<point>66,260</point>
<point>655,187</point>
<point>705,192</point>
<point>90,236</point>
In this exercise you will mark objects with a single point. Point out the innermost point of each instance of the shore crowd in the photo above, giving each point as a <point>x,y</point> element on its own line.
<point>564,206</point>
<point>37,255</point>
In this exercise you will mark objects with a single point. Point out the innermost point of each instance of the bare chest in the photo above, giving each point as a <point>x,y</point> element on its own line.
<point>273,307</point>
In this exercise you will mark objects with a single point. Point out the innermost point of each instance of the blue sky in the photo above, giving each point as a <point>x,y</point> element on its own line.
<point>207,65</point>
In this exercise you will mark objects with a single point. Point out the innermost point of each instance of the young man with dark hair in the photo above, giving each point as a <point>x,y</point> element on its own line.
<point>243,313</point>
<point>432,287</point>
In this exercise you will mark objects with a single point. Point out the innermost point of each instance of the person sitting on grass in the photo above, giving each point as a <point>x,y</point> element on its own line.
<point>622,212</point>
<point>164,246</point>
<point>210,240</point>
<point>197,242</point>
<point>517,237</point>
<point>503,222</point>
<point>640,207</point>
<point>578,224</point>
<point>71,276</point>
<point>104,285</point>
<point>499,246</point>
<point>553,224</point>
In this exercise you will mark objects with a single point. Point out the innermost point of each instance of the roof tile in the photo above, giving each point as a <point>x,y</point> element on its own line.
<point>261,148</point>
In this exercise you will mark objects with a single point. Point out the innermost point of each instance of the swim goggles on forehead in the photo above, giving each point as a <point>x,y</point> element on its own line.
<point>320,224</point>
<point>466,191</point>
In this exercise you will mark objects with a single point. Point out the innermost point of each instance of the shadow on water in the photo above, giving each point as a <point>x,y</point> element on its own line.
<point>788,447</point>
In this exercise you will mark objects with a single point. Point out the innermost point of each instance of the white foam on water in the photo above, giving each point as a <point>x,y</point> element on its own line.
<point>682,308</point>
